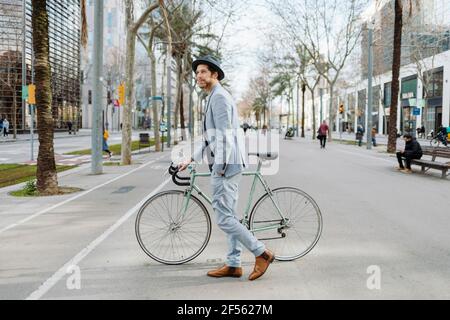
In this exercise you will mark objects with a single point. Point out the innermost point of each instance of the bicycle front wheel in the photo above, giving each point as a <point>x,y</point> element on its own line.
<point>167,233</point>
<point>295,235</point>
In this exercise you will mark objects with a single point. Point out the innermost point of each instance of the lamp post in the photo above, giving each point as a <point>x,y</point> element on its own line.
<point>321,105</point>
<point>370,26</point>
<point>97,134</point>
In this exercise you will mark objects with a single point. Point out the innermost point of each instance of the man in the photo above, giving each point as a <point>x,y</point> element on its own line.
<point>226,158</point>
<point>322,134</point>
<point>412,151</point>
<point>374,136</point>
<point>5,127</point>
<point>359,134</point>
<point>69,125</point>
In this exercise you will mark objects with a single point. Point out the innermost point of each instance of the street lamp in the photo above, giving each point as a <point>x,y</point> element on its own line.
<point>370,27</point>
<point>97,135</point>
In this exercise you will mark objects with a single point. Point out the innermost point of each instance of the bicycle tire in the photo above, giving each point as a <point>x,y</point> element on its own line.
<point>168,247</point>
<point>279,239</point>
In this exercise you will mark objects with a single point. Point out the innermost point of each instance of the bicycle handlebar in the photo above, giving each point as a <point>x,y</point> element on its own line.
<point>173,171</point>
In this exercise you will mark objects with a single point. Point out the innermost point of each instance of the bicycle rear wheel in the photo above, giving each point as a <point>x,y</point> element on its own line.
<point>295,237</point>
<point>169,236</point>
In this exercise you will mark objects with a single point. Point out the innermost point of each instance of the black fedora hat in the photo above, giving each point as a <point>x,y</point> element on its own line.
<point>210,61</point>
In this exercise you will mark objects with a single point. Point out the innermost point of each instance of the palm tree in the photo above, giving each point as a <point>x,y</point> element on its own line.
<point>282,85</point>
<point>396,64</point>
<point>398,25</point>
<point>47,179</point>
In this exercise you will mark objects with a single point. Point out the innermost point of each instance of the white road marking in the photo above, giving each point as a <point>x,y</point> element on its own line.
<point>62,272</point>
<point>76,197</point>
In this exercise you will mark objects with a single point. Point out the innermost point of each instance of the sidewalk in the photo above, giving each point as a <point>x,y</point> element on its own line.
<point>380,138</point>
<point>57,135</point>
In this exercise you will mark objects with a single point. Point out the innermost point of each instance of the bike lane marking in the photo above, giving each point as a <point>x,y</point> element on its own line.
<point>62,272</point>
<point>77,196</point>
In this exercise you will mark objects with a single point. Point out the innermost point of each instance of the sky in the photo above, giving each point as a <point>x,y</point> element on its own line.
<point>245,39</point>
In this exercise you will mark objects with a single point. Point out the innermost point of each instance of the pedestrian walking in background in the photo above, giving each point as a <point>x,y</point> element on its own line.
<point>226,159</point>
<point>245,127</point>
<point>264,129</point>
<point>105,142</point>
<point>412,151</point>
<point>322,134</point>
<point>1,126</point>
<point>5,127</point>
<point>422,131</point>
<point>69,125</point>
<point>374,135</point>
<point>359,134</point>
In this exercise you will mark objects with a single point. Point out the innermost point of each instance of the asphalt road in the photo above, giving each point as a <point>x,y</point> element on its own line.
<point>385,236</point>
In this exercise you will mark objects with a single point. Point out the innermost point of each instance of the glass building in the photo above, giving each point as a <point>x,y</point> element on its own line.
<point>16,61</point>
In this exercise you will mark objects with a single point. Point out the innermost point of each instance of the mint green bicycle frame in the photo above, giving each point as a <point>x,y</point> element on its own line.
<point>257,176</point>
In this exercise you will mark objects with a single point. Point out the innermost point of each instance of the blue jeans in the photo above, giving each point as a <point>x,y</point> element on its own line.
<point>225,198</point>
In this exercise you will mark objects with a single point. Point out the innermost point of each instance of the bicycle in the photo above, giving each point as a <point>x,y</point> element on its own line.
<point>174,227</point>
<point>436,140</point>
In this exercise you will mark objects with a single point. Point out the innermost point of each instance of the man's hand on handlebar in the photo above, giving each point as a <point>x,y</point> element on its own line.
<point>182,166</point>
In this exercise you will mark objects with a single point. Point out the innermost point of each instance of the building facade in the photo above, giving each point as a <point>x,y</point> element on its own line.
<point>114,43</point>
<point>16,61</point>
<point>424,95</point>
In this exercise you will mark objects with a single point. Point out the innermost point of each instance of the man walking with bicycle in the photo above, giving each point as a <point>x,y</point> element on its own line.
<point>226,159</point>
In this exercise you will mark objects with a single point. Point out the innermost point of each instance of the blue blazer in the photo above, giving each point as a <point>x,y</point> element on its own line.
<point>223,139</point>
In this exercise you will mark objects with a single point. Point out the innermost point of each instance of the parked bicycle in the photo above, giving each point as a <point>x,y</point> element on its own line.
<point>439,138</point>
<point>289,133</point>
<point>174,227</point>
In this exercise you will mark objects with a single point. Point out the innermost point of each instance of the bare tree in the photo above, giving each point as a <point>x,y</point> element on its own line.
<point>11,79</point>
<point>133,28</point>
<point>329,31</point>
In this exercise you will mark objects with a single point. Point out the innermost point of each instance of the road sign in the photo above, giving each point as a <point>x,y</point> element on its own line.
<point>24,92</point>
<point>31,94</point>
<point>416,112</point>
<point>162,127</point>
<point>157,98</point>
<point>122,94</point>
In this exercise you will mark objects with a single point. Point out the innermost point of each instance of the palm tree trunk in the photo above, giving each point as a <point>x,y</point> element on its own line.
<point>392,140</point>
<point>47,179</point>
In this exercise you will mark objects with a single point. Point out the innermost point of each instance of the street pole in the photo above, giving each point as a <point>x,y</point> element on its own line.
<point>191,108</point>
<point>24,74</point>
<point>321,105</point>
<point>32,108</point>
<point>97,134</point>
<point>303,109</point>
<point>169,98</point>
<point>298,107</point>
<point>370,91</point>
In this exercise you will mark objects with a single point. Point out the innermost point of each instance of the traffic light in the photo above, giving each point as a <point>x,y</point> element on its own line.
<point>341,109</point>
<point>31,94</point>
<point>122,94</point>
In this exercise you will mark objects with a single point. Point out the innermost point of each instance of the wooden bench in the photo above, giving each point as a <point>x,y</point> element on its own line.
<point>434,152</point>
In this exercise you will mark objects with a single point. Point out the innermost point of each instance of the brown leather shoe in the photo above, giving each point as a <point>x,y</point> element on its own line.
<point>261,264</point>
<point>226,271</point>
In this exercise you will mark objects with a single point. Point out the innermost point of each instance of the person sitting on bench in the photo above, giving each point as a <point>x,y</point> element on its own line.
<point>412,151</point>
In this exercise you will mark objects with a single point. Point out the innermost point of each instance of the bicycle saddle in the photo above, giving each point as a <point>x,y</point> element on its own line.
<point>265,155</point>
